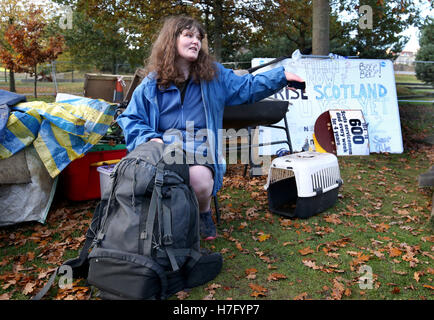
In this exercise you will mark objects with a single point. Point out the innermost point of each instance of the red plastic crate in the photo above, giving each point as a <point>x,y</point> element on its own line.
<point>80,180</point>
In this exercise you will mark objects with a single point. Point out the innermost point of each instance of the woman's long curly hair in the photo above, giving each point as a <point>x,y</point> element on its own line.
<point>164,54</point>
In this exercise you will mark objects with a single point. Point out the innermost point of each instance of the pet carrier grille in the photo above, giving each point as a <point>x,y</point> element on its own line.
<point>303,184</point>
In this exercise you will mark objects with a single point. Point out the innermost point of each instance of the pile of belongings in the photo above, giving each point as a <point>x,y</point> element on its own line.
<point>37,141</point>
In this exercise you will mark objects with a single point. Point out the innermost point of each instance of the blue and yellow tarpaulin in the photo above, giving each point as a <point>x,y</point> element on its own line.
<point>60,132</point>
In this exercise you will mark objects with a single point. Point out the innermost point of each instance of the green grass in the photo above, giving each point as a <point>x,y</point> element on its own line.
<point>380,208</point>
<point>406,78</point>
<point>359,213</point>
<point>44,88</point>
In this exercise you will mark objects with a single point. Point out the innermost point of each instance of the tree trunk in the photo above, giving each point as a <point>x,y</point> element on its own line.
<point>35,82</point>
<point>321,27</point>
<point>12,81</point>
<point>218,14</point>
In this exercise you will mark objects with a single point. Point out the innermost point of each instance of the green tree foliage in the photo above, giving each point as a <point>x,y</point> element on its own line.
<point>389,19</point>
<point>425,71</point>
<point>284,26</point>
<point>99,45</point>
<point>237,29</point>
<point>108,34</point>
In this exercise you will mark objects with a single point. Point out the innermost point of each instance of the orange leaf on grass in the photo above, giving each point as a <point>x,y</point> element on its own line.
<point>251,270</point>
<point>251,273</point>
<point>263,237</point>
<point>394,252</point>
<point>258,291</point>
<point>396,290</point>
<point>301,296</point>
<point>305,251</point>
<point>333,218</point>
<point>276,276</point>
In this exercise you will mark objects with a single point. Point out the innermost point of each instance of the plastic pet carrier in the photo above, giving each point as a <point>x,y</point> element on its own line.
<point>303,184</point>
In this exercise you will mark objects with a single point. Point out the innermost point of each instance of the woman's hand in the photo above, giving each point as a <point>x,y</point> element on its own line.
<point>292,77</point>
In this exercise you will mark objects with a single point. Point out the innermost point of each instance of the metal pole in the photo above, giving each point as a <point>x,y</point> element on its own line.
<point>53,72</point>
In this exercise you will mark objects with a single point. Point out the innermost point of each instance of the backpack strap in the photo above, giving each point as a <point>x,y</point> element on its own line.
<point>79,265</point>
<point>168,237</point>
<point>154,208</point>
<point>147,234</point>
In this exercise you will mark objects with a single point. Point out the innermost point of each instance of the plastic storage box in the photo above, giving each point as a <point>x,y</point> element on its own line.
<point>80,179</point>
<point>303,184</point>
<point>105,180</point>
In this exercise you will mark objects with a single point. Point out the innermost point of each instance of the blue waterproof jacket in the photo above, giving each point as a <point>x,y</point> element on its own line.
<point>139,121</point>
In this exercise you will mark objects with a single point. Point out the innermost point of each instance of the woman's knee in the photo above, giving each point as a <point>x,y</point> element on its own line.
<point>201,180</point>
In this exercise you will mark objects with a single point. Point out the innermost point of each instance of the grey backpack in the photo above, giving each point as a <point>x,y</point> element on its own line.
<point>144,237</point>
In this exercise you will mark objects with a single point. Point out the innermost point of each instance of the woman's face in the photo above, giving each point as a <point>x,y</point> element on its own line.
<point>188,44</point>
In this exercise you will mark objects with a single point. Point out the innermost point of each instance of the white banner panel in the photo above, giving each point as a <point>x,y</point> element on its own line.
<point>350,132</point>
<point>357,84</point>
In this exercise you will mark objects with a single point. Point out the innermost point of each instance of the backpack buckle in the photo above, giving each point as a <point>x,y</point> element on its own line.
<point>159,178</point>
<point>167,240</point>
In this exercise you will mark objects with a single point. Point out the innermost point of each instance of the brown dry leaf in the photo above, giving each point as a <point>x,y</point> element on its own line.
<point>382,227</point>
<point>242,225</point>
<point>10,283</point>
<point>213,286</point>
<point>45,273</point>
<point>30,256</point>
<point>251,276</point>
<point>417,275</point>
<point>285,222</point>
<point>333,218</point>
<point>310,263</point>
<point>401,273</point>
<point>394,252</point>
<point>6,296</point>
<point>305,251</point>
<point>182,295</point>
<point>301,296</point>
<point>396,290</point>
<point>378,254</point>
<point>338,290</point>
<point>428,286</point>
<point>258,294</point>
<point>257,287</point>
<point>251,273</point>
<point>307,228</point>
<point>360,259</point>
<point>251,270</point>
<point>276,276</point>
<point>354,253</point>
<point>29,288</point>
<point>209,296</point>
<point>258,291</point>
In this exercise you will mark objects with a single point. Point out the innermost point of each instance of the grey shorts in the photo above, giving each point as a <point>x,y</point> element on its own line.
<point>209,166</point>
